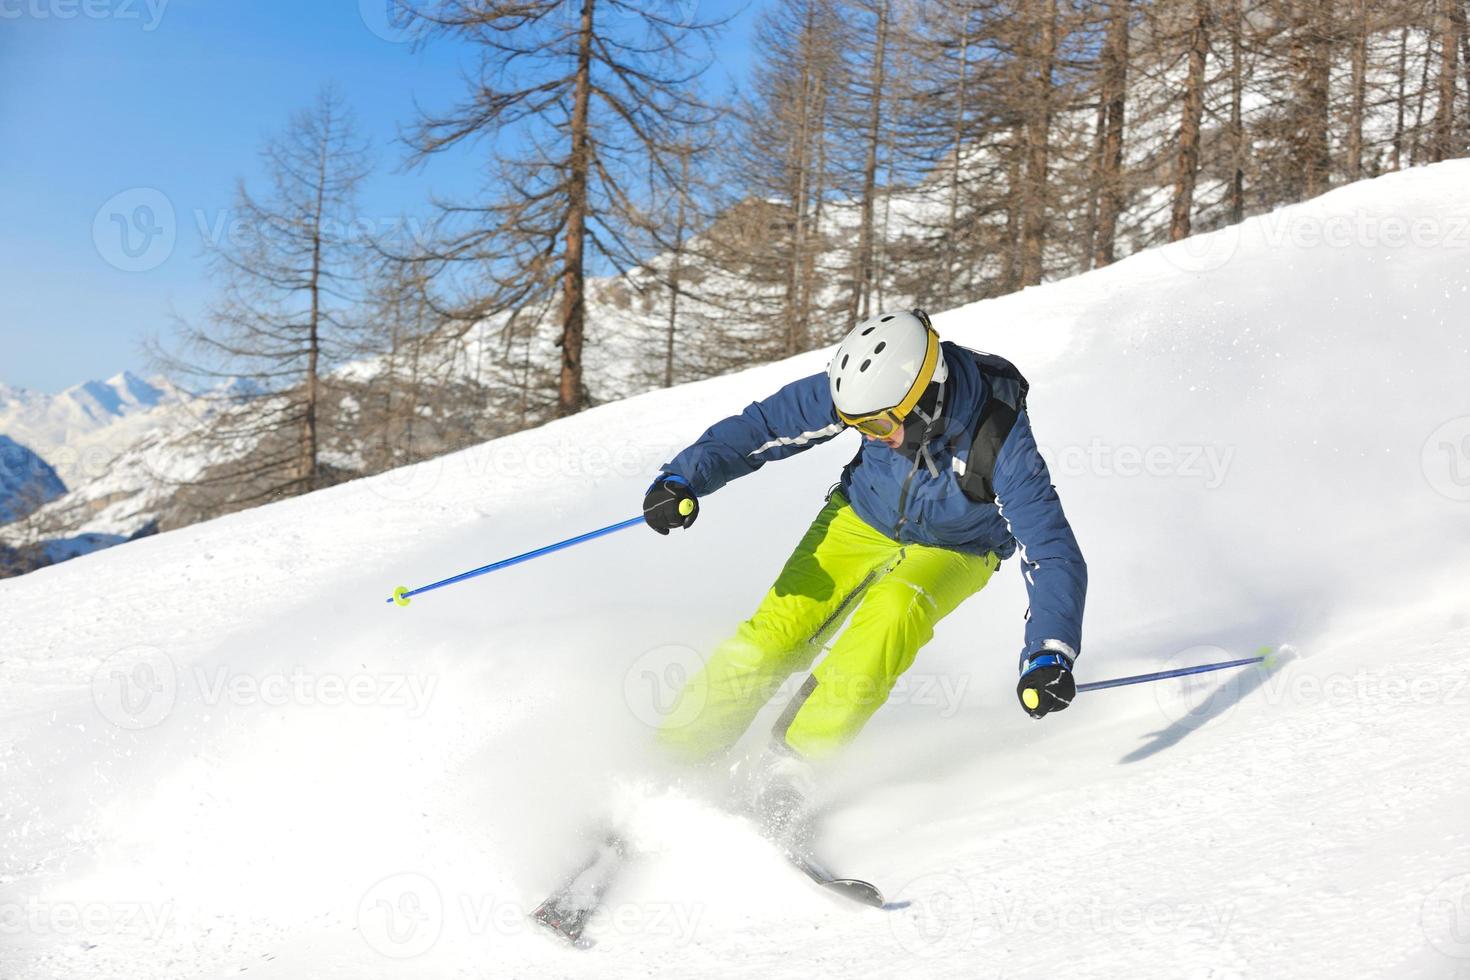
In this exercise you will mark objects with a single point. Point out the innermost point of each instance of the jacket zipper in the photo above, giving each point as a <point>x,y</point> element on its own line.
<point>903,496</point>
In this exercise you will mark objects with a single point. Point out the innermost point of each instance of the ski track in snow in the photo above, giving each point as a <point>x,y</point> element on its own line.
<point>222,753</point>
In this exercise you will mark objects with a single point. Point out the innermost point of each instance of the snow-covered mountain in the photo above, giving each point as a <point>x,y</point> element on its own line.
<point>79,430</point>
<point>226,753</point>
<point>102,439</point>
<point>26,481</point>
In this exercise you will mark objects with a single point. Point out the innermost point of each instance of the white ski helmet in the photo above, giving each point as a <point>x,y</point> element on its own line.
<point>880,370</point>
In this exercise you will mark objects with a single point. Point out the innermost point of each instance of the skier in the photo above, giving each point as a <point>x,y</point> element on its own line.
<point>945,485</point>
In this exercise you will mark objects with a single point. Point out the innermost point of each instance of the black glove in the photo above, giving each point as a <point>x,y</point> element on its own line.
<point>1046,683</point>
<point>670,504</point>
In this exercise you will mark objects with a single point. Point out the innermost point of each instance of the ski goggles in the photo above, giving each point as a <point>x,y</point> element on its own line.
<point>885,422</point>
<point>881,425</point>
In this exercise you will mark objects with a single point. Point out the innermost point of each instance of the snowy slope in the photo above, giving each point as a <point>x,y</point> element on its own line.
<point>221,751</point>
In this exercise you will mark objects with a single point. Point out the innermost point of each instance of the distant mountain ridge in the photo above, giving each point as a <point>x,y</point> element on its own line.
<point>27,482</point>
<point>59,454</point>
<point>78,429</point>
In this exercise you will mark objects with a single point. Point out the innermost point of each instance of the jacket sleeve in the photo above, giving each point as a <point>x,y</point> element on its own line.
<point>1051,561</point>
<point>796,418</point>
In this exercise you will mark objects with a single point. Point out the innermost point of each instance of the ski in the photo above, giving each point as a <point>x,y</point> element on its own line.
<point>796,842</point>
<point>566,911</point>
<point>855,889</point>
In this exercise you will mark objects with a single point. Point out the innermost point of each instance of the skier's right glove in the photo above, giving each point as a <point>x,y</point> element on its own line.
<point>1046,683</point>
<point>670,504</point>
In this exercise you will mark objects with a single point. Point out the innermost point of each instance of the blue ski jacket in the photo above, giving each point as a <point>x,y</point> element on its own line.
<point>902,498</point>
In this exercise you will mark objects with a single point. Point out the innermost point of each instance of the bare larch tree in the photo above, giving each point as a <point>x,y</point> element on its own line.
<point>580,100</point>
<point>288,265</point>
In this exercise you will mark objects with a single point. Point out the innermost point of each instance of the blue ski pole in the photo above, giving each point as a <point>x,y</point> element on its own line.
<point>402,594</point>
<point>1166,674</point>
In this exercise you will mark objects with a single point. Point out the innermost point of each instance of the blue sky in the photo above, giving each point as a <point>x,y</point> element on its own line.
<point>114,111</point>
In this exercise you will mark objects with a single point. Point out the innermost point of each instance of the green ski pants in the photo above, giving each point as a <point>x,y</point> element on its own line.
<point>901,591</point>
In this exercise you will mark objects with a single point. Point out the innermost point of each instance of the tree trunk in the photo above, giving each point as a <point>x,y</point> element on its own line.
<point>797,274</point>
<point>570,393</point>
<point>309,455</point>
<point>1038,147</point>
<point>676,266</point>
<point>391,372</point>
<point>817,195</point>
<point>1462,18</point>
<point>1359,91</point>
<point>411,410</point>
<point>1187,169</point>
<point>860,305</point>
<point>1115,94</point>
<point>883,254</point>
<point>1094,186</point>
<point>1237,120</point>
<point>1401,103</point>
<point>1418,144</point>
<point>952,257</point>
<point>1015,201</point>
<point>1445,144</point>
<point>1313,43</point>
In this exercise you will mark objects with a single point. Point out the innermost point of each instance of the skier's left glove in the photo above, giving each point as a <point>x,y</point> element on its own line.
<point>670,504</point>
<point>1046,683</point>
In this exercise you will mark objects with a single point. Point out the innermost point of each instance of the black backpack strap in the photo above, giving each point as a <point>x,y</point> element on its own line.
<point>1008,390</point>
